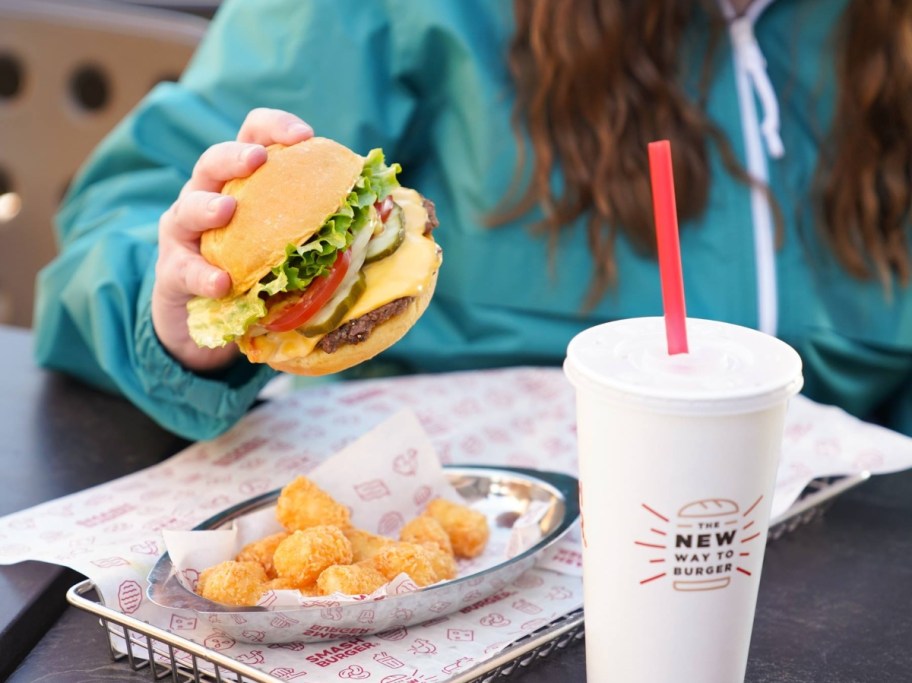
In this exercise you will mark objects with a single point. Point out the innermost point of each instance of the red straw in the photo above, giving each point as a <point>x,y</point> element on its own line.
<point>666,220</point>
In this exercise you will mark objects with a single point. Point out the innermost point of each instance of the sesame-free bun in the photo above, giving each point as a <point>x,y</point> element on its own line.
<point>284,201</point>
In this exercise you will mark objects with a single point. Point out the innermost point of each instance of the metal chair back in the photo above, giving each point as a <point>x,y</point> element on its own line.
<point>69,71</point>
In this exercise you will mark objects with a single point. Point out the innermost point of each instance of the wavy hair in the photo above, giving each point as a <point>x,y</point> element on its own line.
<point>865,172</point>
<point>596,80</point>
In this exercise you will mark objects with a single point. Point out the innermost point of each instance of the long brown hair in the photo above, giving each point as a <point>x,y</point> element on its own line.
<point>865,173</point>
<point>596,80</point>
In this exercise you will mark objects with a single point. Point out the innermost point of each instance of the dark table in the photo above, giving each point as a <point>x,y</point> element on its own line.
<point>835,601</point>
<point>57,436</point>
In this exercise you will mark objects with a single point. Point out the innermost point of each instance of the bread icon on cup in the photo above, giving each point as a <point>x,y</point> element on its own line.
<point>709,507</point>
<point>706,527</point>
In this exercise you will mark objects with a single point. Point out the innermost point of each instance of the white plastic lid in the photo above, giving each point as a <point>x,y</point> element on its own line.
<point>729,369</point>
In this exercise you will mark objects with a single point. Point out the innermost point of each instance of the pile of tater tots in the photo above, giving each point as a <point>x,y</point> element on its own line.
<point>321,553</point>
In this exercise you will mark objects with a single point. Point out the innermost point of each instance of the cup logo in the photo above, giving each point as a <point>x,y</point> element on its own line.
<point>702,548</point>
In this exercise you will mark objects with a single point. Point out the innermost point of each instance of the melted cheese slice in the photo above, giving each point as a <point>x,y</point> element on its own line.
<point>408,270</point>
<point>404,273</point>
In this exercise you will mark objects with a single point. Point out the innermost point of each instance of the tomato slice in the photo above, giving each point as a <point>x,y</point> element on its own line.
<point>384,208</point>
<point>297,308</point>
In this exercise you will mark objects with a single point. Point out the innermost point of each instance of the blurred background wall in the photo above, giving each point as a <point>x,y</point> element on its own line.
<point>69,71</point>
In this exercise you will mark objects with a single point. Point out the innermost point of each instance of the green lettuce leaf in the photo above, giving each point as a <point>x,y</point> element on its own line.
<point>315,257</point>
<point>216,322</point>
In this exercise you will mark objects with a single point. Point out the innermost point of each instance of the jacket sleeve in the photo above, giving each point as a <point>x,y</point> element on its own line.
<point>901,416</point>
<point>92,315</point>
<point>870,380</point>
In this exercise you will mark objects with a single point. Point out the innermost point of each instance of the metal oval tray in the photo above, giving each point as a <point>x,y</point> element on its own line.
<point>507,492</point>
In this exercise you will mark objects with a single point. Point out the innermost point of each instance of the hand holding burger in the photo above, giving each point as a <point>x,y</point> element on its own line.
<point>331,261</point>
<point>180,271</point>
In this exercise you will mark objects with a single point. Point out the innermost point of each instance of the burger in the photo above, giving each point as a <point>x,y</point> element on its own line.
<point>331,260</point>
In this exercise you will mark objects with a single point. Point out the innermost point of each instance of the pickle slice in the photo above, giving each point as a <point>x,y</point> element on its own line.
<point>329,320</point>
<point>390,239</point>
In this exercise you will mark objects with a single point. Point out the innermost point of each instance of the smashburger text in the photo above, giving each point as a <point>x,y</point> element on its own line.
<point>337,653</point>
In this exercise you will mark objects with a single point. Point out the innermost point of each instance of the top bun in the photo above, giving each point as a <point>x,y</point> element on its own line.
<point>284,201</point>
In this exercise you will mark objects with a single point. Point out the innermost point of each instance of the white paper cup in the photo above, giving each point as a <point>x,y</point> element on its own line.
<point>678,458</point>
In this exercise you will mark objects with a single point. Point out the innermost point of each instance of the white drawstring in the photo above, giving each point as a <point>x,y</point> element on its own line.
<point>749,54</point>
<point>752,83</point>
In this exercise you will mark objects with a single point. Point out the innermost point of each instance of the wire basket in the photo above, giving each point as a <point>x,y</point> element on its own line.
<point>183,660</point>
<point>813,502</point>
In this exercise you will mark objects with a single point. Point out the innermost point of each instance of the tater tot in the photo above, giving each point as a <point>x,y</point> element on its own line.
<point>281,584</point>
<point>365,544</point>
<point>233,583</point>
<point>467,528</point>
<point>302,504</point>
<point>443,563</point>
<point>350,579</point>
<point>408,558</point>
<point>261,551</point>
<point>425,529</point>
<point>304,554</point>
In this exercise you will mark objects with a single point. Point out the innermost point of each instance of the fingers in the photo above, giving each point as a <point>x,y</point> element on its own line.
<point>182,273</point>
<point>222,162</point>
<point>266,126</point>
<point>195,212</point>
<point>238,159</point>
<point>201,278</point>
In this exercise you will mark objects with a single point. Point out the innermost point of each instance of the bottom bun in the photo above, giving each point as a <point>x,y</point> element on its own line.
<point>317,362</point>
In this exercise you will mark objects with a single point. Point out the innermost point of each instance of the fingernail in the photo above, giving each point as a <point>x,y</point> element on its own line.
<point>216,203</point>
<point>300,129</point>
<point>214,280</point>
<point>248,152</point>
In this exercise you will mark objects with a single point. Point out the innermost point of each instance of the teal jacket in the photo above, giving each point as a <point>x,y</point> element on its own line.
<point>427,82</point>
